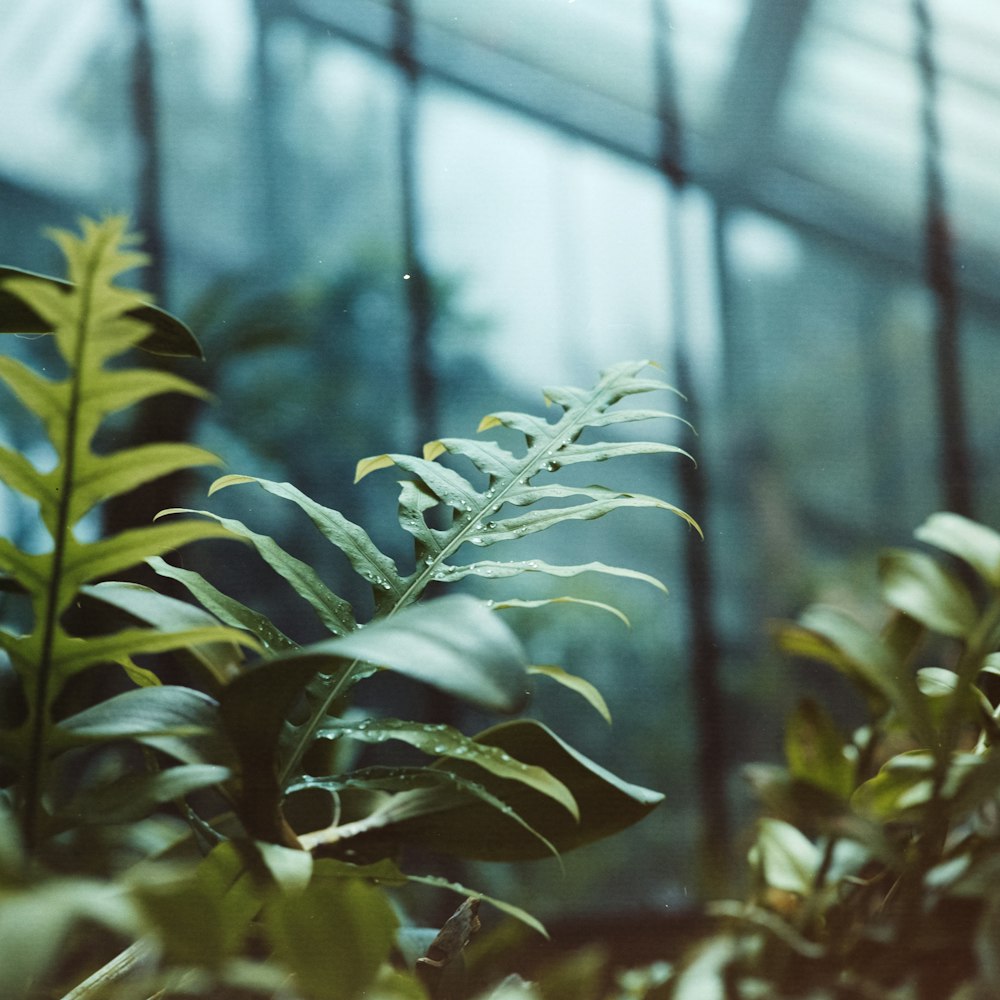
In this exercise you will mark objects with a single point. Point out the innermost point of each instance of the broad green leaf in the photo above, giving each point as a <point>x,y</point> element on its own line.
<point>926,591</point>
<point>472,829</point>
<point>785,857</point>
<point>399,779</point>
<point>177,720</point>
<point>334,935</point>
<point>290,869</point>
<point>437,739</point>
<point>864,657</point>
<point>452,643</point>
<point>974,543</point>
<point>584,688</point>
<point>202,917</point>
<point>904,783</point>
<point>167,335</point>
<point>136,793</point>
<point>814,750</point>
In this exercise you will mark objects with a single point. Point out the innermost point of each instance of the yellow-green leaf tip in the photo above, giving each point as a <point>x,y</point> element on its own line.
<point>372,464</point>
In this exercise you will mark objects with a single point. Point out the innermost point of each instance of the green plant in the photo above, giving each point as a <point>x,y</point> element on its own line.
<point>238,764</point>
<point>874,871</point>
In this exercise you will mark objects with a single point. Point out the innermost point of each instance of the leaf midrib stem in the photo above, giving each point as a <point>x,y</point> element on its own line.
<point>40,720</point>
<point>568,427</point>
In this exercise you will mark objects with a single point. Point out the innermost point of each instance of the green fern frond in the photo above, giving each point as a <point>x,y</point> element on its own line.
<point>476,517</point>
<point>511,505</point>
<point>92,321</point>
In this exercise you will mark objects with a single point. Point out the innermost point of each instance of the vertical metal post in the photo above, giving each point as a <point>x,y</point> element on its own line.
<point>939,265</point>
<point>420,304</point>
<point>149,218</point>
<point>272,218</point>
<point>703,647</point>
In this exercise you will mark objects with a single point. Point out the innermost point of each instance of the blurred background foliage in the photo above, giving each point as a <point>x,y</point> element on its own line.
<point>384,218</point>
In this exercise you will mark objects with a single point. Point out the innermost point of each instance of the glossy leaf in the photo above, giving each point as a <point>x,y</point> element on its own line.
<point>468,828</point>
<point>334,612</point>
<point>399,779</point>
<point>225,608</point>
<point>177,720</point>
<point>926,591</point>
<point>453,643</point>
<point>436,739</point>
<point>976,544</point>
<point>167,334</point>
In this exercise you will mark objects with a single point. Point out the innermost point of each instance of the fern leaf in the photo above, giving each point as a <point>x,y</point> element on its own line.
<point>335,613</point>
<point>503,570</point>
<point>92,321</point>
<point>364,556</point>
<point>227,609</point>
<point>510,477</point>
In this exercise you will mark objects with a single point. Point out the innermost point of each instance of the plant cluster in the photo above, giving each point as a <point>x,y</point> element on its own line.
<point>223,825</point>
<point>875,867</point>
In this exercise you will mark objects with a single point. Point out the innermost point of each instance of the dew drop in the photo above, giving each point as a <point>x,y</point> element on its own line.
<point>439,748</point>
<point>476,540</point>
<point>490,525</point>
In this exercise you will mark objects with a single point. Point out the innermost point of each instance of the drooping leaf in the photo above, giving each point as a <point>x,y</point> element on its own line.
<point>226,609</point>
<point>399,779</point>
<point>136,794</point>
<point>365,557</point>
<point>463,826</point>
<point>582,687</point>
<point>167,334</point>
<point>168,614</point>
<point>435,738</point>
<point>453,643</point>
<point>335,613</point>
<point>387,873</point>
<point>177,720</point>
